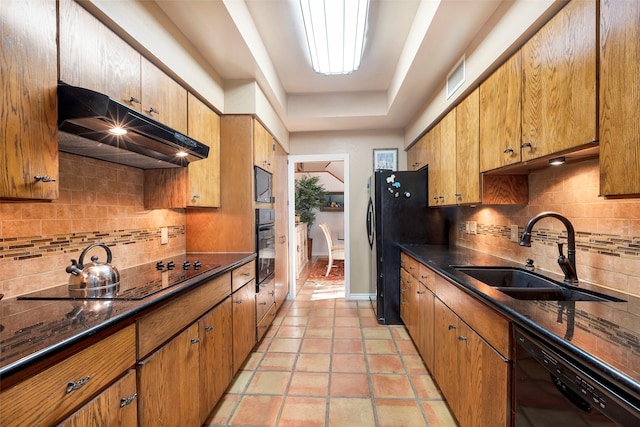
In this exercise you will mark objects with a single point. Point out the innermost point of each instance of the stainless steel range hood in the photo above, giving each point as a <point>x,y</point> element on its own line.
<point>86,120</point>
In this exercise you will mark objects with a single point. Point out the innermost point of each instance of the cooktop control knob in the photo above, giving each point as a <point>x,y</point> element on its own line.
<point>196,265</point>
<point>186,265</point>
<point>170,265</point>
<point>159,265</point>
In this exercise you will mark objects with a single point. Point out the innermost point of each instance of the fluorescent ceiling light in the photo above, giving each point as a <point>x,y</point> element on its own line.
<point>335,32</point>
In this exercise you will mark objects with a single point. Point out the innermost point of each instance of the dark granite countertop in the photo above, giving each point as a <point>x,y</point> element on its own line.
<point>605,337</point>
<point>33,330</point>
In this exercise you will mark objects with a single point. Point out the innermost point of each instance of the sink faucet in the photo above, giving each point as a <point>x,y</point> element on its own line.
<point>568,263</point>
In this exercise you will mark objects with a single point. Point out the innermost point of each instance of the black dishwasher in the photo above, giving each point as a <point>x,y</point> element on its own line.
<point>551,389</point>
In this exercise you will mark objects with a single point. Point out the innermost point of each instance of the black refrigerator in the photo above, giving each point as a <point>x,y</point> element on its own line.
<point>397,213</point>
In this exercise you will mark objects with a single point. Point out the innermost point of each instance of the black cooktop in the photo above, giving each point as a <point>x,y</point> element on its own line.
<point>139,282</point>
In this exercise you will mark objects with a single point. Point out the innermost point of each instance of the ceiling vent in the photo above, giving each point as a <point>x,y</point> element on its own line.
<point>456,77</point>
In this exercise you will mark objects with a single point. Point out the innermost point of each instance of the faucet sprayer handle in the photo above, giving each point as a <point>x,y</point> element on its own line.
<point>560,252</point>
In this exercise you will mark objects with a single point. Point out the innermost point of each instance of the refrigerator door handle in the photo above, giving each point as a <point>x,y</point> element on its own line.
<point>370,223</point>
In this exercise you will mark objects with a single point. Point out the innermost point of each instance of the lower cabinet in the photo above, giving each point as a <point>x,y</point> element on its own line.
<point>116,406</point>
<point>244,323</point>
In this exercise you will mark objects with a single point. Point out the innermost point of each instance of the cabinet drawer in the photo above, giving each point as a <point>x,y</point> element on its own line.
<point>50,396</point>
<point>265,298</point>
<point>409,263</point>
<point>266,321</point>
<point>427,276</point>
<point>160,325</point>
<point>242,275</point>
<point>490,325</point>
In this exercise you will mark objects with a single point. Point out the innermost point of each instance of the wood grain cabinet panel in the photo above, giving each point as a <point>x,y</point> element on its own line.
<point>29,106</point>
<point>448,159</point>
<point>468,150</point>
<point>116,406</point>
<point>432,155</point>
<point>244,323</point>
<point>619,98</point>
<point>500,115</point>
<point>163,98</point>
<point>51,395</point>
<point>559,83</point>
<point>263,148</point>
<point>416,155</point>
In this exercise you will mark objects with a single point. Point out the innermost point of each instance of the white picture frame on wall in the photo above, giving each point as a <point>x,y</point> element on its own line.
<point>385,159</point>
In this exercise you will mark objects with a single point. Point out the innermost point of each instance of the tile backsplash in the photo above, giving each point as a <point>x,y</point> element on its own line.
<point>607,230</point>
<point>99,202</point>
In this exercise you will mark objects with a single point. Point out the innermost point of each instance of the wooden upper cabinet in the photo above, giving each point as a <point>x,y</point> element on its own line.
<point>263,147</point>
<point>29,107</point>
<point>448,159</point>
<point>204,175</point>
<point>417,155</point>
<point>94,57</point>
<point>559,83</point>
<point>432,154</point>
<point>500,116</point>
<point>163,98</point>
<point>619,98</point>
<point>468,150</point>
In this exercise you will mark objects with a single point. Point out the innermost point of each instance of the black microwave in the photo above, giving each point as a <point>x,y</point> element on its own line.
<point>263,185</point>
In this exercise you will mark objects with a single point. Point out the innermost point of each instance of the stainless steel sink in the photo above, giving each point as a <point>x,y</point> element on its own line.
<point>525,285</point>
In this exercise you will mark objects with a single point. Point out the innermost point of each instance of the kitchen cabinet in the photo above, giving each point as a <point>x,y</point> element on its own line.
<point>409,303</point>
<point>448,159</point>
<point>163,99</point>
<point>500,115</point>
<point>51,395</point>
<point>263,148</point>
<point>559,83</point>
<point>467,154</point>
<point>432,155</point>
<point>216,358</point>
<point>116,406</point>
<point>28,112</point>
<point>168,382</point>
<point>417,155</point>
<point>619,98</point>
<point>244,323</point>
<point>281,226</point>
<point>302,252</point>
<point>204,175</point>
<point>265,306</point>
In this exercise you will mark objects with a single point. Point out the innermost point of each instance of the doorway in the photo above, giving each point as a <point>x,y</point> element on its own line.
<point>307,164</point>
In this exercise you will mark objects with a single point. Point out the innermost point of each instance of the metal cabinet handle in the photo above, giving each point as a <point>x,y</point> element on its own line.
<point>195,340</point>
<point>526,144</point>
<point>420,292</point>
<point>134,100</point>
<point>239,301</point>
<point>462,338</point>
<point>272,293</point>
<point>263,303</point>
<point>208,328</point>
<point>77,385</point>
<point>458,194</point>
<point>452,327</point>
<point>508,151</point>
<point>124,401</point>
<point>44,178</point>
<point>196,196</point>
<point>246,274</point>
<point>153,110</point>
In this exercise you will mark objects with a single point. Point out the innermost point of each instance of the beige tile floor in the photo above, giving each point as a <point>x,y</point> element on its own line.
<point>326,361</point>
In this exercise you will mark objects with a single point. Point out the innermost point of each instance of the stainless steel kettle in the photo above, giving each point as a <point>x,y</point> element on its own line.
<point>95,279</point>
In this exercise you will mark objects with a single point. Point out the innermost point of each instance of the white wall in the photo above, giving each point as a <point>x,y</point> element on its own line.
<point>359,146</point>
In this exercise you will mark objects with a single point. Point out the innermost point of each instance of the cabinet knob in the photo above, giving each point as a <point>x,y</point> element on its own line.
<point>239,301</point>
<point>44,178</point>
<point>134,100</point>
<point>263,303</point>
<point>452,327</point>
<point>195,340</point>
<point>208,328</point>
<point>196,196</point>
<point>508,150</point>
<point>458,194</point>
<point>526,144</point>
<point>153,111</point>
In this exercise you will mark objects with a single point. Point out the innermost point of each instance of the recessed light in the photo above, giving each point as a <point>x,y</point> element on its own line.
<point>557,161</point>
<point>117,130</point>
<point>182,154</point>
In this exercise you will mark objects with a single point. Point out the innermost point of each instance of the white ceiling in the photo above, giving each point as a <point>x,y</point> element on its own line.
<point>411,46</point>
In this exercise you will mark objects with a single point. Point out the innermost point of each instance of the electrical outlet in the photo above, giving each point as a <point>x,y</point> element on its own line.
<point>514,233</point>
<point>472,227</point>
<point>164,235</point>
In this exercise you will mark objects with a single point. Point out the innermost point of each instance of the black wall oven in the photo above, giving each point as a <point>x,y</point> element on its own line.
<point>553,389</point>
<point>265,244</point>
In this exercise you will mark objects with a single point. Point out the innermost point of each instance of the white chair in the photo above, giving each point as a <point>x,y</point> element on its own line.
<point>336,252</point>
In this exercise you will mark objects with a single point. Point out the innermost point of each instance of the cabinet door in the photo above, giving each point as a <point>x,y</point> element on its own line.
<point>168,383</point>
<point>468,150</point>
<point>244,323</point>
<point>29,108</point>
<point>215,331</point>
<point>432,154</point>
<point>116,406</point>
<point>448,159</point>
<point>94,57</point>
<point>282,226</point>
<point>426,326</point>
<point>500,116</point>
<point>163,98</point>
<point>446,367</point>
<point>204,175</point>
<point>417,155</point>
<point>559,83</point>
<point>619,98</point>
<point>263,149</point>
<point>484,376</point>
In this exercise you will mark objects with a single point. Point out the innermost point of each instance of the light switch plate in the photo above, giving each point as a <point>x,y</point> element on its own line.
<point>514,233</point>
<point>164,235</point>
<point>472,227</point>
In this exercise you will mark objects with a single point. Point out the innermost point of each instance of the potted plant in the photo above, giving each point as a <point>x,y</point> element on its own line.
<point>309,196</point>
